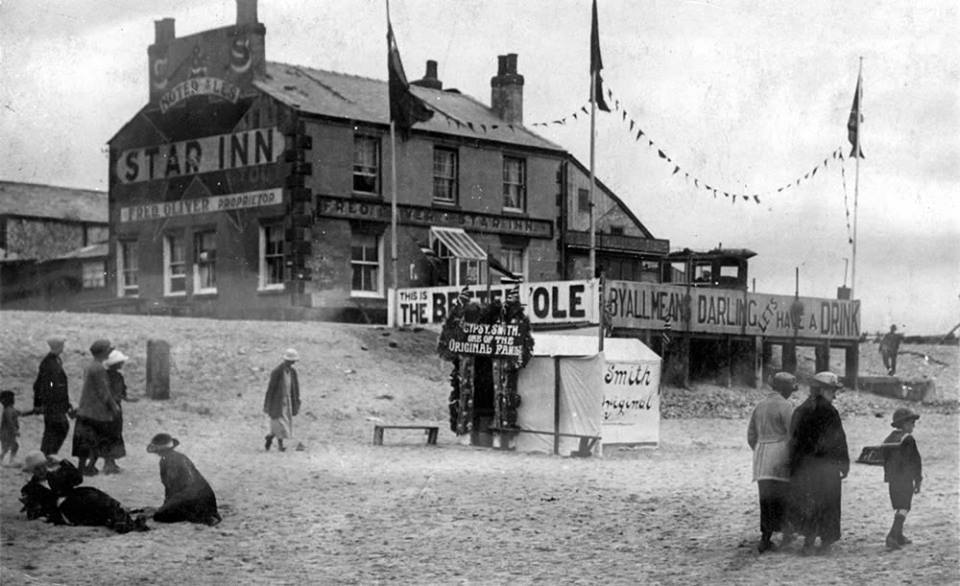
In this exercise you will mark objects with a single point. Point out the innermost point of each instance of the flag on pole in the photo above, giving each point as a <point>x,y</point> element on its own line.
<point>406,109</point>
<point>596,63</point>
<point>498,266</point>
<point>853,124</point>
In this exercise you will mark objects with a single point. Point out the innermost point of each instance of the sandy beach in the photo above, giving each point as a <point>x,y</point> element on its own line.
<point>347,512</point>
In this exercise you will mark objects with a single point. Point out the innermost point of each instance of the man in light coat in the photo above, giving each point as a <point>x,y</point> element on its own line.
<point>768,436</point>
<point>282,401</point>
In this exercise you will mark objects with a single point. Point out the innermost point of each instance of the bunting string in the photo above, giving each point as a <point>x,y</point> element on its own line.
<point>639,135</point>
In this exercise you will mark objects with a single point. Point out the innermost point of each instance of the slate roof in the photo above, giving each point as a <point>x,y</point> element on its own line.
<point>351,97</point>
<point>48,201</point>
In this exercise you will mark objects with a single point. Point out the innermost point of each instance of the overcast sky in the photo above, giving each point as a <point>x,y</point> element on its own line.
<point>746,97</point>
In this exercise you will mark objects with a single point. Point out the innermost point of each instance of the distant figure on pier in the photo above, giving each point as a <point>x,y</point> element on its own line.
<point>889,347</point>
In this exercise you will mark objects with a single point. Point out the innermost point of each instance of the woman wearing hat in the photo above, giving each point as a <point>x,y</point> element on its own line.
<point>96,410</point>
<point>187,495</point>
<point>768,435</point>
<point>51,398</point>
<point>282,400</point>
<point>112,447</point>
<point>903,471</point>
<point>818,462</point>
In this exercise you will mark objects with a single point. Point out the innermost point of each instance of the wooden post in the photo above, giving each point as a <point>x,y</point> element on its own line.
<point>788,358</point>
<point>822,356</point>
<point>758,362</point>
<point>158,369</point>
<point>556,405</point>
<point>728,351</point>
<point>852,366</point>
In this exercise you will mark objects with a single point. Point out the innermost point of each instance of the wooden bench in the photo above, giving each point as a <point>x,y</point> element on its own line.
<point>587,442</point>
<point>431,431</point>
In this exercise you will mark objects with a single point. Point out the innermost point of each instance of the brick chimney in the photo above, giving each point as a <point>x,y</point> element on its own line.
<point>506,90</point>
<point>165,30</point>
<point>430,77</point>
<point>246,12</point>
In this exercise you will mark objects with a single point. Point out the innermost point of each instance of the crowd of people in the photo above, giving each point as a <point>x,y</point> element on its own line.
<point>55,490</point>
<point>800,460</point>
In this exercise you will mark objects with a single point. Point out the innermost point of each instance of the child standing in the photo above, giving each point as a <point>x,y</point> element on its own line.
<point>902,470</point>
<point>10,427</point>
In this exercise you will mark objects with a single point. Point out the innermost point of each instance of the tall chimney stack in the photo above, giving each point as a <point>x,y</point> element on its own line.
<point>165,31</point>
<point>506,90</point>
<point>430,77</point>
<point>246,12</point>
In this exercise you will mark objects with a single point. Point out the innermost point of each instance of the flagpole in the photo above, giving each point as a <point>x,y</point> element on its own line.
<point>593,228</point>
<point>856,182</point>
<point>393,217</point>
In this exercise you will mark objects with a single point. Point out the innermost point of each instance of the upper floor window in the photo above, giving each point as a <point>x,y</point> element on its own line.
<point>366,164</point>
<point>583,200</point>
<point>271,273</point>
<point>445,170</point>
<point>128,269</point>
<point>514,184</point>
<point>616,230</point>
<point>365,265</point>
<point>205,262</point>
<point>174,266</point>
<point>94,275</point>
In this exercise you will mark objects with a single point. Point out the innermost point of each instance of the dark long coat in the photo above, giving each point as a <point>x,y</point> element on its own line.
<point>187,494</point>
<point>51,397</point>
<point>818,458</point>
<point>273,401</point>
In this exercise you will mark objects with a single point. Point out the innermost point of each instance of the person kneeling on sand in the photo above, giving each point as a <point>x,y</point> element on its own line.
<point>54,493</point>
<point>187,494</point>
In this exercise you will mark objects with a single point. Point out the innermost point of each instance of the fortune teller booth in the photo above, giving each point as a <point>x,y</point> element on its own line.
<point>555,393</point>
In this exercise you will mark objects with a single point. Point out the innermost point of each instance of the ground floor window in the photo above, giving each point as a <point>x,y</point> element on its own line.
<point>271,257</point>
<point>513,259</point>
<point>94,275</point>
<point>205,262</point>
<point>128,271</point>
<point>174,266</point>
<point>365,264</point>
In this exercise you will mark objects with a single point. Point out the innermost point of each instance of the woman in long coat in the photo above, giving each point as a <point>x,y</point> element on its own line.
<point>113,447</point>
<point>282,400</point>
<point>768,435</point>
<point>818,463</point>
<point>96,410</point>
<point>187,496</point>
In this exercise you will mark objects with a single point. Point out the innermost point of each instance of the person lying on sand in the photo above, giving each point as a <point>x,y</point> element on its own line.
<point>54,493</point>
<point>187,494</point>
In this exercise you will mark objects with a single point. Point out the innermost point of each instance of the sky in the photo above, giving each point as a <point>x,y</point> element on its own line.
<point>744,96</point>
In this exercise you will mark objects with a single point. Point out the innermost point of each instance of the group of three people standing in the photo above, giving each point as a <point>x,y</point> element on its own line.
<point>98,432</point>
<point>800,459</point>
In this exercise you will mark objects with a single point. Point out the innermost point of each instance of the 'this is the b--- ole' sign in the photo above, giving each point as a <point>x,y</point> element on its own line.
<point>552,302</point>
<point>260,146</point>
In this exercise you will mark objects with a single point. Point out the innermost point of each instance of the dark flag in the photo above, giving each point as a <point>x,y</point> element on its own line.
<point>596,63</point>
<point>853,124</point>
<point>406,109</point>
<point>500,268</point>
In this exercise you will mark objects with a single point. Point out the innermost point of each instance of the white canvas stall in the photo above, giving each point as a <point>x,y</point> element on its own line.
<point>614,394</point>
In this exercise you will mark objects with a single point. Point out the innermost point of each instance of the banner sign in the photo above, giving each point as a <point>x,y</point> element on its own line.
<point>200,155</point>
<point>486,339</point>
<point>341,207</point>
<point>553,302</point>
<point>202,205</point>
<point>631,403</point>
<point>729,311</point>
<point>199,86</point>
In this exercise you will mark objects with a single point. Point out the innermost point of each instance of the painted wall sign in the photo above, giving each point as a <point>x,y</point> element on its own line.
<point>201,155</point>
<point>202,205</point>
<point>199,86</point>
<point>338,207</point>
<point>555,302</point>
<point>726,311</point>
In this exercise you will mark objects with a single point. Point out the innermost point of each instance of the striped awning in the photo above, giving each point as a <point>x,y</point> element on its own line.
<point>458,243</point>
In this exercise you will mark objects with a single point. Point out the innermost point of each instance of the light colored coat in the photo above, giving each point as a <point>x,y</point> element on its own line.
<point>769,435</point>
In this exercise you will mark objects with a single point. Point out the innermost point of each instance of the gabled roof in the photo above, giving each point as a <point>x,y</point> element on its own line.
<point>612,195</point>
<point>339,95</point>
<point>59,203</point>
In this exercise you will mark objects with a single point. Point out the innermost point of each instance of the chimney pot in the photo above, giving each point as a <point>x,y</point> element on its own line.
<point>430,77</point>
<point>431,69</point>
<point>501,64</point>
<point>165,30</point>
<point>511,63</point>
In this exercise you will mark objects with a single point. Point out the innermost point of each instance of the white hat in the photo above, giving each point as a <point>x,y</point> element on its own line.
<point>291,355</point>
<point>826,380</point>
<point>115,357</point>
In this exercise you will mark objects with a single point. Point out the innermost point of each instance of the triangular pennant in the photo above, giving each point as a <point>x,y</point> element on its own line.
<point>661,154</point>
<point>675,170</point>
<point>470,126</point>
<point>814,172</point>
<point>584,110</point>
<point>632,124</point>
<point>624,114</point>
<point>574,115</point>
<point>651,143</point>
<point>757,198</point>
<point>639,133</point>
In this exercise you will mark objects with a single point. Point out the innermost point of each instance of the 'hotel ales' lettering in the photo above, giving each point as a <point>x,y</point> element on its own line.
<point>200,155</point>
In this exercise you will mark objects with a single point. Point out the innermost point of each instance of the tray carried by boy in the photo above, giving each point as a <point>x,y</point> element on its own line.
<point>872,455</point>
